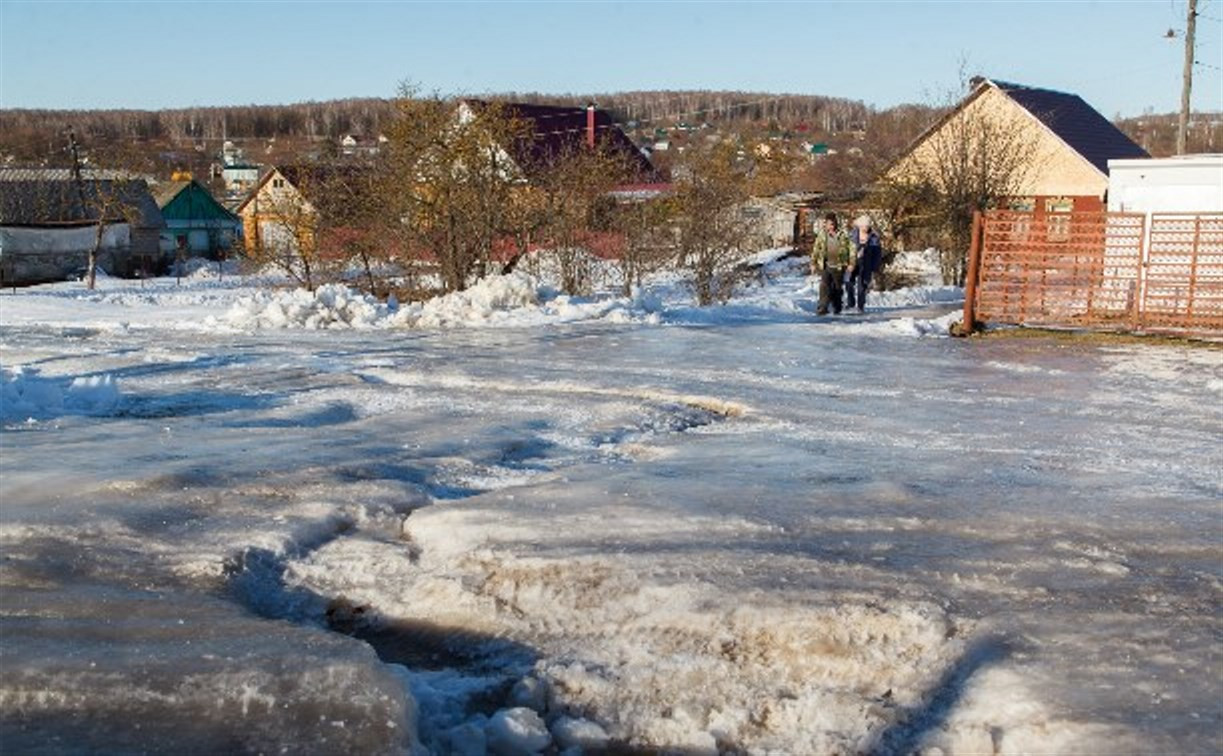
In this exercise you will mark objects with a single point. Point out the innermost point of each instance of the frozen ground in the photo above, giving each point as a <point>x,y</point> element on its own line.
<point>514,522</point>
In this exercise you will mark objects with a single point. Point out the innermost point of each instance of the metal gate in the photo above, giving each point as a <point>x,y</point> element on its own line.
<point>1112,271</point>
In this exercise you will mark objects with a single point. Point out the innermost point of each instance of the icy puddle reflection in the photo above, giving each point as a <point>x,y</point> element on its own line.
<point>785,538</point>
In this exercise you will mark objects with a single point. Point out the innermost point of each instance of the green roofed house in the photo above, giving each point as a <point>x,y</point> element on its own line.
<point>195,221</point>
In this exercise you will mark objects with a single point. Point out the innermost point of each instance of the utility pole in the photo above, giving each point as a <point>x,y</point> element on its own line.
<point>74,150</point>
<point>1183,125</point>
<point>77,179</point>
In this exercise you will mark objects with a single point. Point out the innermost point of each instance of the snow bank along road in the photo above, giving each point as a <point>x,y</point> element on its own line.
<point>767,536</point>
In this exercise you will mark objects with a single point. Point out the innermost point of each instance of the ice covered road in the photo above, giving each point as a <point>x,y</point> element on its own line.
<point>789,537</point>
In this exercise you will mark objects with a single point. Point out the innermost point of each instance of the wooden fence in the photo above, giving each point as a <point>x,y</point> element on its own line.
<point>1109,271</point>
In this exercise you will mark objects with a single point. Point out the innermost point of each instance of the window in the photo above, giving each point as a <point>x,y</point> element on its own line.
<point>278,183</point>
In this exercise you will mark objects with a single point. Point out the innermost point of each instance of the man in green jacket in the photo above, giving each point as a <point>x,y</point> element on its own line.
<point>830,254</point>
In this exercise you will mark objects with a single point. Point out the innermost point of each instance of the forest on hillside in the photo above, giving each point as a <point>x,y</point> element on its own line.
<point>368,116</point>
<point>161,141</point>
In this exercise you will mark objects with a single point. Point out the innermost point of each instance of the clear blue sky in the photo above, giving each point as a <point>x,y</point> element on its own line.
<point>159,53</point>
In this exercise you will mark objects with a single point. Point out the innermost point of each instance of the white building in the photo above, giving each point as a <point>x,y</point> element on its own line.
<point>1184,184</point>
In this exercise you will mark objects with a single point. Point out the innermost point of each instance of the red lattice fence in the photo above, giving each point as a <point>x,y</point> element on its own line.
<point>1114,271</point>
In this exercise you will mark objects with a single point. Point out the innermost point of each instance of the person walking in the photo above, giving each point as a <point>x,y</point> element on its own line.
<point>867,255</point>
<point>829,255</point>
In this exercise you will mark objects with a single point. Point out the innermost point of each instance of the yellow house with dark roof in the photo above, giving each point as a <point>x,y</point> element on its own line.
<point>1063,144</point>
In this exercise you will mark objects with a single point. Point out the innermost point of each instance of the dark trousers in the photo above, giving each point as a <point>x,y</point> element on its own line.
<point>858,281</point>
<point>830,290</point>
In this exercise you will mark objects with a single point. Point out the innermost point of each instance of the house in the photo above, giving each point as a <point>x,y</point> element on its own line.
<point>553,131</point>
<point>195,221</point>
<point>1066,144</point>
<point>355,144</point>
<point>281,212</point>
<point>239,177</point>
<point>275,207</point>
<point>49,225</point>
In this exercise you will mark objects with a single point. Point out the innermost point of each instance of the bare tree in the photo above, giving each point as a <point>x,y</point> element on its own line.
<point>574,188</point>
<point>711,231</point>
<point>642,224</point>
<point>109,202</point>
<point>456,180</point>
<point>112,203</point>
<point>525,217</point>
<point>352,224</point>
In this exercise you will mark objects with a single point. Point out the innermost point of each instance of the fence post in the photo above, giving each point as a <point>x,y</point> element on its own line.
<point>970,283</point>
<point>1140,280</point>
<point>1193,269</point>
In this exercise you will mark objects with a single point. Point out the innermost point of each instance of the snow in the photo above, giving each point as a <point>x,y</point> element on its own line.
<point>517,731</point>
<point>328,306</point>
<point>25,393</point>
<point>241,517</point>
<point>208,302</point>
<point>922,265</point>
<point>581,734</point>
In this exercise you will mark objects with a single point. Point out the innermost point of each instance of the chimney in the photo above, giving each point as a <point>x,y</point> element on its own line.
<point>590,125</point>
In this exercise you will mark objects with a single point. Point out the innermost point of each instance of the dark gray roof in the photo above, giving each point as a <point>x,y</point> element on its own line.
<point>1074,121</point>
<point>23,173</point>
<point>66,203</point>
<point>555,130</point>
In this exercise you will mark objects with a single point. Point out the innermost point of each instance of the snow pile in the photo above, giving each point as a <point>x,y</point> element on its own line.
<point>520,300</point>
<point>517,730</point>
<point>26,394</point>
<point>641,308</point>
<point>330,306</point>
<point>775,287</point>
<point>916,296</point>
<point>203,269</point>
<point>921,265</point>
<point>579,733</point>
<point>909,326</point>
<point>93,394</point>
<point>488,300</point>
<point>656,666</point>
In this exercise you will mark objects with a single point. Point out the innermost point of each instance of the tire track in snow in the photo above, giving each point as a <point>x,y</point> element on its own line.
<point>722,408</point>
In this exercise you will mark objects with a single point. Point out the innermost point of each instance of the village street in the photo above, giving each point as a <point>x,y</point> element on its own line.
<point>752,534</point>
